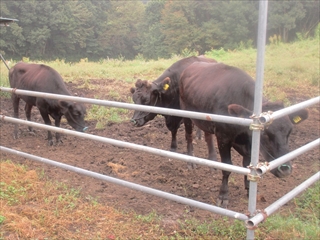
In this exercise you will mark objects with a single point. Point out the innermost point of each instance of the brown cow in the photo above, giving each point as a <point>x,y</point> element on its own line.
<point>42,78</point>
<point>154,94</point>
<point>225,90</point>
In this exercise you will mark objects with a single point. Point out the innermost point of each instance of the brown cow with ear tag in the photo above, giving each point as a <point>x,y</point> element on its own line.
<point>226,90</point>
<point>164,92</point>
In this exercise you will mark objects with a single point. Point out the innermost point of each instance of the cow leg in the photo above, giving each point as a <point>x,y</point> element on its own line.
<point>188,125</point>
<point>211,150</point>
<point>224,148</point>
<point>198,133</point>
<point>173,124</point>
<point>210,144</point>
<point>47,121</point>
<point>15,102</point>
<point>27,110</point>
<point>57,121</point>
<point>173,147</point>
<point>245,151</point>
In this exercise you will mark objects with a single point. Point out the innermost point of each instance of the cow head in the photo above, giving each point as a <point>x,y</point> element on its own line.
<point>274,138</point>
<point>148,94</point>
<point>74,113</point>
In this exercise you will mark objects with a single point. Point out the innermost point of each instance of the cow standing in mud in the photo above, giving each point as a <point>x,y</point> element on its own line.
<point>155,94</point>
<point>42,78</point>
<point>225,90</point>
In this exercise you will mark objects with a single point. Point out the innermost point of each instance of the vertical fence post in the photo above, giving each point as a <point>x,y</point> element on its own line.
<point>261,40</point>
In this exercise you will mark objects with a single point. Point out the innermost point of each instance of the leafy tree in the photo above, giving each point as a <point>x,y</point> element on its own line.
<point>50,29</point>
<point>178,26</point>
<point>97,44</point>
<point>122,28</point>
<point>307,25</point>
<point>203,25</point>
<point>283,17</point>
<point>152,46</point>
<point>239,20</point>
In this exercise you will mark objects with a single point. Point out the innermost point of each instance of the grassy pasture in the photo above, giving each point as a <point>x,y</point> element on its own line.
<point>289,69</point>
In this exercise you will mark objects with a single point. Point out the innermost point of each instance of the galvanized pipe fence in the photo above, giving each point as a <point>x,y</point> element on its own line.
<point>263,117</point>
<point>260,169</point>
<point>169,196</point>
<point>118,143</point>
<point>262,215</point>
<point>258,95</point>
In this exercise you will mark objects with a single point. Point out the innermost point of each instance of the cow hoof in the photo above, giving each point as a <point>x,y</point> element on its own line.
<point>32,133</point>
<point>50,143</point>
<point>192,166</point>
<point>58,142</point>
<point>222,203</point>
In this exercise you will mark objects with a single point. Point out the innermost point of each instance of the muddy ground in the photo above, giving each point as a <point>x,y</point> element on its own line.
<point>150,170</point>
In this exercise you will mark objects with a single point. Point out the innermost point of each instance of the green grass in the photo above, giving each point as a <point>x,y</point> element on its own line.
<point>104,115</point>
<point>302,223</point>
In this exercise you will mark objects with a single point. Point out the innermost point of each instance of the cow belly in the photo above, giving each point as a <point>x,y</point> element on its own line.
<point>29,100</point>
<point>206,126</point>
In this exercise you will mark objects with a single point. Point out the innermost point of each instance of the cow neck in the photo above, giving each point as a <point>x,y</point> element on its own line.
<point>158,95</point>
<point>169,99</point>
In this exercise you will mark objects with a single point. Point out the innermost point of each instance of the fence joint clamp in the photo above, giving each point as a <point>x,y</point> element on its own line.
<point>264,120</point>
<point>253,177</point>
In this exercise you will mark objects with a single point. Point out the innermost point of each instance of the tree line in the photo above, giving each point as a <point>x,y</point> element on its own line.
<point>152,29</point>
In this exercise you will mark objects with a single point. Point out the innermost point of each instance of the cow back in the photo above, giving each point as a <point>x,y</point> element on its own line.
<point>211,87</point>
<point>37,77</point>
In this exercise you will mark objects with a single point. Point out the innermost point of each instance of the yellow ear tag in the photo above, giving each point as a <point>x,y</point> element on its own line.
<point>165,87</point>
<point>297,119</point>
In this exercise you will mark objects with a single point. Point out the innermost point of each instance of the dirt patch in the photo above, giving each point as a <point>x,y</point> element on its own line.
<point>158,172</point>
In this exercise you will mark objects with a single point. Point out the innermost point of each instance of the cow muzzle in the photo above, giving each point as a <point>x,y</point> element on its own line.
<point>282,171</point>
<point>138,122</point>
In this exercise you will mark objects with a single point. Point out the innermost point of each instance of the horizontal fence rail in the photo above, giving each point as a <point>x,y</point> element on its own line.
<point>167,111</point>
<point>259,169</point>
<point>118,143</point>
<point>289,156</point>
<point>169,196</point>
<point>289,110</point>
<point>131,106</point>
<point>254,221</point>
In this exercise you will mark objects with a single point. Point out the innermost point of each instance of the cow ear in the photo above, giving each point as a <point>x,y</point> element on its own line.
<point>132,90</point>
<point>165,85</point>
<point>64,105</point>
<point>236,110</point>
<point>299,116</point>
